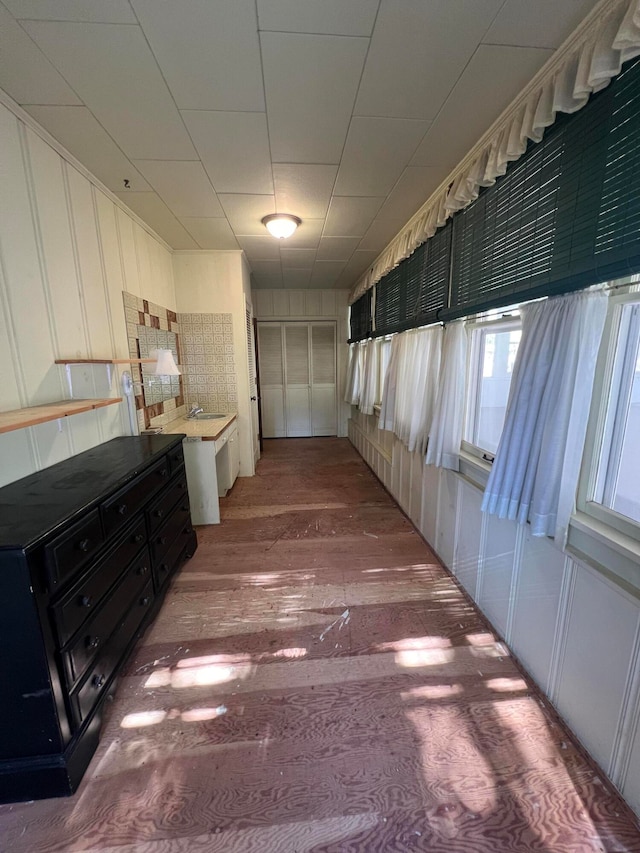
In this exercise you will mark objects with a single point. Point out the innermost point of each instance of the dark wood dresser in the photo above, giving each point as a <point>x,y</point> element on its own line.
<point>87,549</point>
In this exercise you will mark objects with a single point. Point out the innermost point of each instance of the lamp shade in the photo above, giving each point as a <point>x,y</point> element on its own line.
<point>165,364</point>
<point>281,225</point>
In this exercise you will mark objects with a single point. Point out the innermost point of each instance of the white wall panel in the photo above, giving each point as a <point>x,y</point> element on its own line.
<point>601,627</point>
<point>62,256</point>
<point>497,571</point>
<point>430,487</point>
<point>447,516</point>
<point>415,497</point>
<point>467,551</point>
<point>535,608</point>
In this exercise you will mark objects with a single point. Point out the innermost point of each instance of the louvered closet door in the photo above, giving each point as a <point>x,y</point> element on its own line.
<point>323,379</point>
<point>270,352</point>
<point>297,379</point>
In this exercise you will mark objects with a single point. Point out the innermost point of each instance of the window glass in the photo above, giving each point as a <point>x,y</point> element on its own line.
<point>493,355</point>
<point>618,484</point>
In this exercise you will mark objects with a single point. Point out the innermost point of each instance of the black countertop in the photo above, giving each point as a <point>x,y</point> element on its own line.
<point>54,496</point>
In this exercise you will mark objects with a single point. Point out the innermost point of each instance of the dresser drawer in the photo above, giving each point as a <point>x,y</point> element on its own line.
<point>161,509</point>
<point>97,630</point>
<point>81,601</point>
<point>125,503</point>
<point>67,553</point>
<point>163,570</point>
<point>176,458</point>
<point>163,538</point>
<point>99,676</point>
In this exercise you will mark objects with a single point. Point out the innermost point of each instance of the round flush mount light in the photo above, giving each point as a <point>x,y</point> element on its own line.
<point>281,225</point>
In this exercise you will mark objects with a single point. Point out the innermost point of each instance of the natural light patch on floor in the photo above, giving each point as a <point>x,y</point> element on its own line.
<point>506,685</point>
<point>411,658</point>
<point>432,692</point>
<point>410,644</point>
<point>198,676</point>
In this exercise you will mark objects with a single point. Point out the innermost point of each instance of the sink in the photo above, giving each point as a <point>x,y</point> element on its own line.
<point>205,416</point>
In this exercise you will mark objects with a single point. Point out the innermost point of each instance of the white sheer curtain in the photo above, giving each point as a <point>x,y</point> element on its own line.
<point>410,385</point>
<point>369,383</point>
<point>353,383</point>
<point>445,435</point>
<point>535,473</point>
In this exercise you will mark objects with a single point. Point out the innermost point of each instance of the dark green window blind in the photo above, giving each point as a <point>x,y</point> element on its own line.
<point>565,216</point>
<point>414,293</point>
<point>360,317</point>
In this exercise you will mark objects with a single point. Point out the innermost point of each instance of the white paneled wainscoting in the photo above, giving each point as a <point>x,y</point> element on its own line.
<point>574,628</point>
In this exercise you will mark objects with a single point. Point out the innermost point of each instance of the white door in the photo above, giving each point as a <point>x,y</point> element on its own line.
<point>323,379</point>
<point>253,384</point>
<point>297,378</point>
<point>270,352</point>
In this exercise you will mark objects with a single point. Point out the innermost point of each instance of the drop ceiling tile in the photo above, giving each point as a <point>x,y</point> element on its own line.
<point>310,83</point>
<point>350,217</point>
<point>380,233</point>
<point>209,53</point>
<point>25,73</point>
<point>376,152</point>
<point>331,17</point>
<point>492,79</point>
<point>307,236</point>
<point>89,11</point>
<point>112,69</point>
<point>267,282</point>
<point>157,215</point>
<point>183,185</point>
<point>434,40</point>
<point>297,258</point>
<point>337,248</point>
<point>357,265</point>
<point>292,278</point>
<point>245,212</point>
<point>84,137</point>
<point>234,148</point>
<point>546,23</point>
<point>303,189</point>
<point>325,273</point>
<point>268,268</point>
<point>210,232</point>
<point>260,248</point>
<point>412,190</point>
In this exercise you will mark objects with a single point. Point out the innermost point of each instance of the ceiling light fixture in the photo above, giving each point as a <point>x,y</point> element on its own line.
<point>281,225</point>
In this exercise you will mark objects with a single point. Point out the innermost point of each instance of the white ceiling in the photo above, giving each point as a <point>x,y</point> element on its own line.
<point>346,113</point>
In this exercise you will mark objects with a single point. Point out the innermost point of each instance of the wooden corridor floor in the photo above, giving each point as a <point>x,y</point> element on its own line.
<point>317,682</point>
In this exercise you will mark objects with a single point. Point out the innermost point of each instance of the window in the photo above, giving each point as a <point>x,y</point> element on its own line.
<point>492,356</point>
<point>613,495</point>
<point>385,355</point>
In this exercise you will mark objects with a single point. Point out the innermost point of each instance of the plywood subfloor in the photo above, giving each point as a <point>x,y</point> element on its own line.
<point>316,682</point>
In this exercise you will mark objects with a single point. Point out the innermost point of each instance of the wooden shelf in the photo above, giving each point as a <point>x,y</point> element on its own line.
<point>105,360</point>
<point>21,418</point>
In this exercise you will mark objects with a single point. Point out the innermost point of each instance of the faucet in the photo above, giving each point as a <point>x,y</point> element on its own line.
<point>195,410</point>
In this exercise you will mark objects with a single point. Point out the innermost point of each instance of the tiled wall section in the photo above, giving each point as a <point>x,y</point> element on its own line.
<point>158,389</point>
<point>209,362</point>
<point>141,312</point>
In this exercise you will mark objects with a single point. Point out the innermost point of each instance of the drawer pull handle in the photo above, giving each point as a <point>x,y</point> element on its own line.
<point>187,529</point>
<point>138,537</point>
<point>159,513</point>
<point>142,570</point>
<point>98,681</point>
<point>144,601</point>
<point>162,540</point>
<point>164,567</point>
<point>163,472</point>
<point>92,642</point>
<point>86,601</point>
<point>181,485</point>
<point>84,545</point>
<point>185,507</point>
<point>122,509</point>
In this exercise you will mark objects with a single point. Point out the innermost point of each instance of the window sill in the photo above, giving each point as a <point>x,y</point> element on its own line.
<point>474,469</point>
<point>605,549</point>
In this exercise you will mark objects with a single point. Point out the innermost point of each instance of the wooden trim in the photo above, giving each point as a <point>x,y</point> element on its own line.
<point>105,361</point>
<point>33,415</point>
